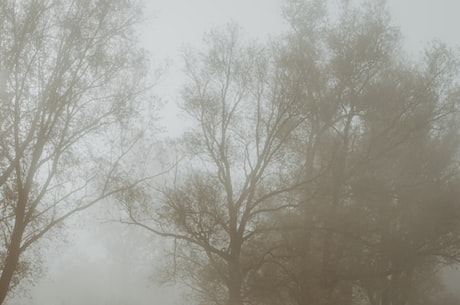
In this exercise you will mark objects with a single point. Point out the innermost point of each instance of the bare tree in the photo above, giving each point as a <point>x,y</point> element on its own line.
<point>237,170</point>
<point>72,80</point>
<point>321,170</point>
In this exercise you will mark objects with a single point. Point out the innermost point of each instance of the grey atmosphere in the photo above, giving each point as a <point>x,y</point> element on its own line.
<point>245,152</point>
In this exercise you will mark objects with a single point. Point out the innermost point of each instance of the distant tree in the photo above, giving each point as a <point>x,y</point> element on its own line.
<point>72,75</point>
<point>382,136</point>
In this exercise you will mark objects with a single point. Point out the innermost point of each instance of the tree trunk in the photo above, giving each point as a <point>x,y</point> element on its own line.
<point>235,281</point>
<point>14,248</point>
<point>234,284</point>
<point>234,297</point>
<point>11,263</point>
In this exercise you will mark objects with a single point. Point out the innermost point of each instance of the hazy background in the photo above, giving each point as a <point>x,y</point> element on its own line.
<point>101,262</point>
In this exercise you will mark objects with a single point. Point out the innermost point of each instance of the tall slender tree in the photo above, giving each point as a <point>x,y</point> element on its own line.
<point>71,78</point>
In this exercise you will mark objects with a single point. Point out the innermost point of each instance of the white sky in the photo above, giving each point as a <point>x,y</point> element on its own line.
<point>425,20</point>
<point>185,21</point>
<point>179,22</point>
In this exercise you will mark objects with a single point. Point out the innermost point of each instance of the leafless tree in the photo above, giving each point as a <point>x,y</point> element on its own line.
<point>73,76</point>
<point>237,170</point>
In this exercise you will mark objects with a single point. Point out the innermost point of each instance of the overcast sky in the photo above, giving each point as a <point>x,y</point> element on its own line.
<point>179,22</point>
<point>425,20</point>
<point>184,21</point>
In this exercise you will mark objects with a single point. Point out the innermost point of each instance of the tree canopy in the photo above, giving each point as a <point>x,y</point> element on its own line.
<point>323,168</point>
<point>70,77</point>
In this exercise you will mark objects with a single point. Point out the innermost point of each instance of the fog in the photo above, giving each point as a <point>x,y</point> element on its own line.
<point>99,261</point>
<point>94,259</point>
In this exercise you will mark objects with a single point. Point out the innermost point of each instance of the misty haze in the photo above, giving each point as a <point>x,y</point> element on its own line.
<point>216,152</point>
